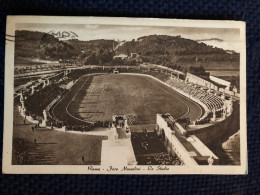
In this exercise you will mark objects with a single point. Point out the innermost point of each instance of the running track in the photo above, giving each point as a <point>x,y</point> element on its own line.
<point>62,109</point>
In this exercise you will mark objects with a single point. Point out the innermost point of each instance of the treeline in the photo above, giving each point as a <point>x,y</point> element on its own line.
<point>164,44</point>
<point>92,45</point>
<point>199,71</point>
<point>170,51</point>
<point>165,50</point>
<point>43,46</point>
<point>98,57</point>
<point>105,57</point>
<point>95,52</point>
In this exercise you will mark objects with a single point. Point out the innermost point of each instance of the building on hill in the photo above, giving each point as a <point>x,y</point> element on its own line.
<point>133,55</point>
<point>121,56</point>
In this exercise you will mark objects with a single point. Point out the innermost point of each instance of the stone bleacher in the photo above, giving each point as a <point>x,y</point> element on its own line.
<point>211,100</point>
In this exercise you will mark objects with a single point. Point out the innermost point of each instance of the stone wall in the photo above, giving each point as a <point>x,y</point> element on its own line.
<point>225,128</point>
<point>199,81</point>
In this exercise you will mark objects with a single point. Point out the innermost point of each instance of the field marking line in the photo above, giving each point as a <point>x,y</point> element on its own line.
<point>87,75</point>
<point>69,102</point>
<point>52,109</point>
<point>154,78</point>
<point>175,98</point>
<point>73,99</point>
<point>150,76</point>
<point>137,75</point>
<point>187,98</point>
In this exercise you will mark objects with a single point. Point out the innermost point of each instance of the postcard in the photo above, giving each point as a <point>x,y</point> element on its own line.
<point>112,95</point>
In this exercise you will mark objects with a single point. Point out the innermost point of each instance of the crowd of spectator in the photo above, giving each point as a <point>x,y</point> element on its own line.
<point>164,158</point>
<point>84,127</point>
<point>37,102</point>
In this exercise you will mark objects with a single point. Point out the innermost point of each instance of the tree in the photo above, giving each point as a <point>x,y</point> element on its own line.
<point>201,68</point>
<point>184,69</point>
<point>92,60</point>
<point>117,61</point>
<point>235,81</point>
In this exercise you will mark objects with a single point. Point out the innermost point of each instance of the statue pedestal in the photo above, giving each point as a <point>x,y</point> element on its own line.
<point>23,112</point>
<point>43,123</point>
<point>112,135</point>
<point>224,115</point>
<point>32,90</point>
<point>213,119</point>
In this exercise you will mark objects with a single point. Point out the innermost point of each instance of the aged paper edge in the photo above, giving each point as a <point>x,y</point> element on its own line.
<point>8,168</point>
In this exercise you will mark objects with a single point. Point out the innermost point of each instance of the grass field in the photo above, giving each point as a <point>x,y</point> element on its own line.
<point>139,97</point>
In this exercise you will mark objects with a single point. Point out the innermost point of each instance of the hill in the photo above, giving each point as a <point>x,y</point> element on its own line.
<point>94,51</point>
<point>172,50</point>
<point>99,44</point>
<point>37,45</point>
<point>32,47</point>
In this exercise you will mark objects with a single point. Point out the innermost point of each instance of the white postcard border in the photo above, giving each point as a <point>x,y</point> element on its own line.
<point>7,166</point>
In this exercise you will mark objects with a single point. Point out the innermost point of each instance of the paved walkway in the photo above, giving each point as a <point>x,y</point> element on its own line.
<point>121,133</point>
<point>48,147</point>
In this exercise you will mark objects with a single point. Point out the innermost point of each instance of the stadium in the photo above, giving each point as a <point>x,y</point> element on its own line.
<point>139,114</point>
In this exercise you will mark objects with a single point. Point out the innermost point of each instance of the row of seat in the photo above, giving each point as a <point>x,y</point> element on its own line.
<point>212,101</point>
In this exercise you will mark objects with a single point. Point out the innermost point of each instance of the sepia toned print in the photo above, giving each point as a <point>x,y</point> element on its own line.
<point>92,95</point>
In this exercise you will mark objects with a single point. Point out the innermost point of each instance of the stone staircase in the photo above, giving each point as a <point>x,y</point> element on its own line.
<point>28,153</point>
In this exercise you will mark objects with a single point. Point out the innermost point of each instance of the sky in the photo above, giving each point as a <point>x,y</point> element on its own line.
<point>229,36</point>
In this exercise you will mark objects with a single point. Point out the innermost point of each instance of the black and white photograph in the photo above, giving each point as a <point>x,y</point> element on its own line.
<point>100,95</point>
